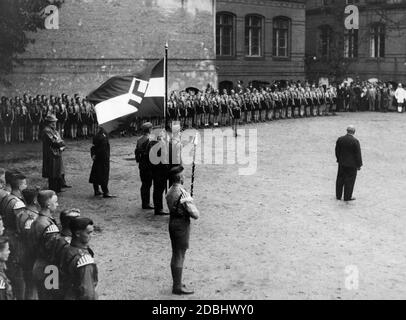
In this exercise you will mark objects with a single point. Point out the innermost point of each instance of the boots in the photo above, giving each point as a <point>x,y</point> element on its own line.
<point>178,287</point>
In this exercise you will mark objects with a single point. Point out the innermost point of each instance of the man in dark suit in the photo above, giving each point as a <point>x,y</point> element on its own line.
<point>348,154</point>
<point>142,157</point>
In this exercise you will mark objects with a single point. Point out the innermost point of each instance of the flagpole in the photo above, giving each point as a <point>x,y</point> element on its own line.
<point>195,142</point>
<point>166,84</point>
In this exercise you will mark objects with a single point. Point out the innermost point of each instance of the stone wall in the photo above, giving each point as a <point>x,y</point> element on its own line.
<point>97,39</point>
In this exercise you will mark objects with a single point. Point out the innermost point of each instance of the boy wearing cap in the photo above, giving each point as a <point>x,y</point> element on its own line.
<point>181,207</point>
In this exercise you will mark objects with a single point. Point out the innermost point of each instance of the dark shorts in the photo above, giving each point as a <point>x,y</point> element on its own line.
<point>179,232</point>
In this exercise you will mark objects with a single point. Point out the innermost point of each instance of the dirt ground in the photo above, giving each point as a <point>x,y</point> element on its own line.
<point>278,234</point>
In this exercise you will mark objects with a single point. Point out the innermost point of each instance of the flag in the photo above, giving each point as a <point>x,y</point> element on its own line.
<point>122,96</point>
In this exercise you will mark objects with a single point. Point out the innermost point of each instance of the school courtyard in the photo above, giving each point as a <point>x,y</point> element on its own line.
<point>277,234</point>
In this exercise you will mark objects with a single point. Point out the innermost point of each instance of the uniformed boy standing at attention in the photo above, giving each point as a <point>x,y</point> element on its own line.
<point>78,265</point>
<point>43,236</point>
<point>181,207</point>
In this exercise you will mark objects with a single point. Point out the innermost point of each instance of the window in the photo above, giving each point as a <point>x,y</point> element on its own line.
<point>253,36</point>
<point>281,37</point>
<point>325,41</point>
<point>225,35</point>
<point>351,43</point>
<point>377,41</point>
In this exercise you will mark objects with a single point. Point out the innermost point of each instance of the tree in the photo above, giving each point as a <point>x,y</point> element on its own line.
<point>17,18</point>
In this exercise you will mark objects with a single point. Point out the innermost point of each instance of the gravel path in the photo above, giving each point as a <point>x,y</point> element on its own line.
<point>278,234</point>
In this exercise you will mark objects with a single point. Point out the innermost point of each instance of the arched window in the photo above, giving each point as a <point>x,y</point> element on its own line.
<point>228,85</point>
<point>325,40</point>
<point>225,37</point>
<point>281,31</point>
<point>253,35</point>
<point>259,84</point>
<point>377,40</point>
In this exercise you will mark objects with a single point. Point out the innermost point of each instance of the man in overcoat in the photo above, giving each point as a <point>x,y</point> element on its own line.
<point>100,152</point>
<point>349,159</point>
<point>52,149</point>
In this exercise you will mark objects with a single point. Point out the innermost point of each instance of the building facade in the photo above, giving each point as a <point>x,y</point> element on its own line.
<point>209,42</point>
<point>376,50</point>
<point>98,39</point>
<point>259,41</point>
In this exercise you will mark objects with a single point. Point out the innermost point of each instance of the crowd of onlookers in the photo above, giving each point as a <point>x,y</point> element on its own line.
<point>22,118</point>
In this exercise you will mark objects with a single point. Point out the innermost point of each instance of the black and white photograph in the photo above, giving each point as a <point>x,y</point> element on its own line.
<point>202,150</point>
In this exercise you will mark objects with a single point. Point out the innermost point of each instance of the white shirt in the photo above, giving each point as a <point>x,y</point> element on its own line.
<point>400,95</point>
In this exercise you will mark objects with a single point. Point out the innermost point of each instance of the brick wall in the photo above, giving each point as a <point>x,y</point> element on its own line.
<point>268,68</point>
<point>101,38</point>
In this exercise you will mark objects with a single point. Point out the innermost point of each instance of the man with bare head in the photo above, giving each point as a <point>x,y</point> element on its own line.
<point>348,154</point>
<point>43,235</point>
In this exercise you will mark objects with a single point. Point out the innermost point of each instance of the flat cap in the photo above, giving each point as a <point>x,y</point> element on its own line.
<point>51,118</point>
<point>176,170</point>
<point>146,125</point>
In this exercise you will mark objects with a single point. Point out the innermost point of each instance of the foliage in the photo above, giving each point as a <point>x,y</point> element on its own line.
<point>17,18</point>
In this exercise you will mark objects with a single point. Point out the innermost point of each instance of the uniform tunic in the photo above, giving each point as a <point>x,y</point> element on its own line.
<point>43,235</point>
<point>181,206</point>
<point>79,272</point>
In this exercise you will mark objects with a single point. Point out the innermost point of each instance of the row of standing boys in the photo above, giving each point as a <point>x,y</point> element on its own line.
<point>22,117</point>
<point>250,105</point>
<point>40,259</point>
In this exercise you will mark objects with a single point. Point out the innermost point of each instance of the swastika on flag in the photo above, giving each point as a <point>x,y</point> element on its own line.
<point>137,91</point>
